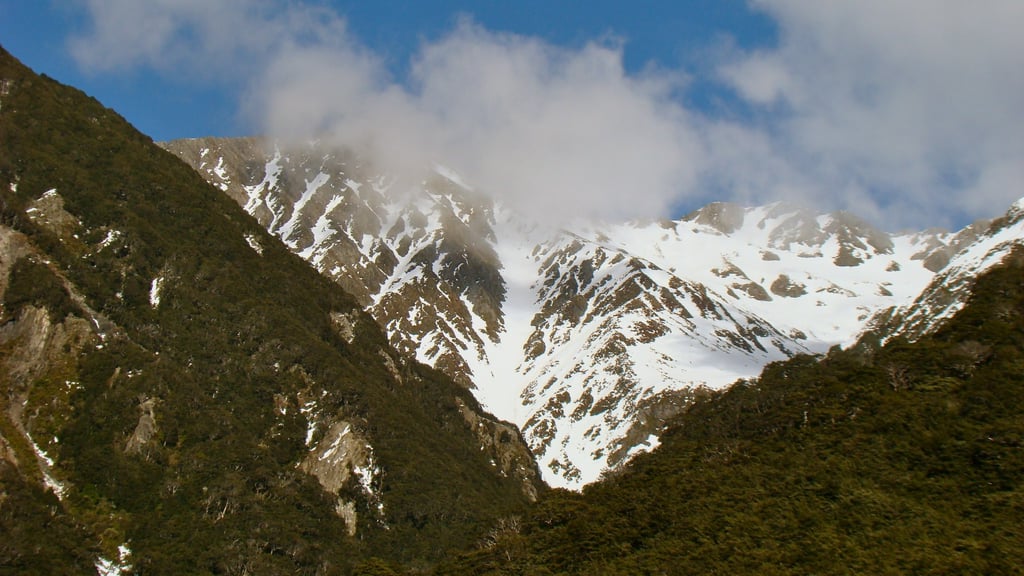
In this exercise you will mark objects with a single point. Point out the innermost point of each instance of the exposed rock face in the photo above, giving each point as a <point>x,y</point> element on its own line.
<point>145,429</point>
<point>783,286</point>
<point>48,211</point>
<point>13,246</point>
<point>341,455</point>
<point>855,237</point>
<point>726,217</point>
<point>504,443</point>
<point>345,323</point>
<point>940,246</point>
<point>38,354</point>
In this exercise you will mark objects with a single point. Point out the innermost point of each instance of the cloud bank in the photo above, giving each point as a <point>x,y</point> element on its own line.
<point>899,110</point>
<point>553,131</point>
<point>907,112</point>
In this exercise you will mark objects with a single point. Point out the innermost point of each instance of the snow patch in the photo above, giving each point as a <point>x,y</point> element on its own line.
<point>452,176</point>
<point>254,243</point>
<point>119,567</point>
<point>219,169</point>
<point>651,443</point>
<point>323,229</point>
<point>1017,207</point>
<point>308,412</point>
<point>312,186</point>
<point>111,237</point>
<point>255,193</point>
<point>154,291</point>
<point>49,481</point>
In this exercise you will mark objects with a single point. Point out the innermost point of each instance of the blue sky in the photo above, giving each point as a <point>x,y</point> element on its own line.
<point>907,112</point>
<point>668,34</point>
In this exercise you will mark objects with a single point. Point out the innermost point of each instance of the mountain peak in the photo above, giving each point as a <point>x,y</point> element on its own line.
<point>726,217</point>
<point>968,254</point>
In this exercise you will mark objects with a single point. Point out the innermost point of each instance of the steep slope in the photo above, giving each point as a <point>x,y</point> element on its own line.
<point>586,337</point>
<point>907,459</point>
<point>980,247</point>
<point>421,261</point>
<point>182,394</point>
<point>637,317</point>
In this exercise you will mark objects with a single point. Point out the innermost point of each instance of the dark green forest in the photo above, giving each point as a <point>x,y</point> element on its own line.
<point>238,341</point>
<point>905,458</point>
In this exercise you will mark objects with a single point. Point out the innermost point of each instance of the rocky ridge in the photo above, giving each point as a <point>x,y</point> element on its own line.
<point>975,250</point>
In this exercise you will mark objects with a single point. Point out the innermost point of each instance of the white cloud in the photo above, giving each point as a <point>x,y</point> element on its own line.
<point>229,38</point>
<point>761,79</point>
<point>915,105</point>
<point>553,131</point>
<point>905,110</point>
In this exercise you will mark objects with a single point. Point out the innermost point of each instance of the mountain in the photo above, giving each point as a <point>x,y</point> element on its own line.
<point>980,247</point>
<point>904,459</point>
<point>588,336</point>
<point>180,394</point>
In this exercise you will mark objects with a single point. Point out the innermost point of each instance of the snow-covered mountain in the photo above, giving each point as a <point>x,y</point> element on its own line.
<point>588,336</point>
<point>979,247</point>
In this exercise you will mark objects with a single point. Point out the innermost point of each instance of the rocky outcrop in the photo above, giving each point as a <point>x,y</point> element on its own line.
<point>783,286</point>
<point>38,365</point>
<point>342,455</point>
<point>726,217</point>
<point>1001,241</point>
<point>505,446</point>
<point>145,429</point>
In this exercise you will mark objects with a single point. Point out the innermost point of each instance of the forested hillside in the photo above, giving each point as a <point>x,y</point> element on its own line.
<point>182,395</point>
<point>905,459</point>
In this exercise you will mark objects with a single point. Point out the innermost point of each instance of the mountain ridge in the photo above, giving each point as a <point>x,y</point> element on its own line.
<point>501,304</point>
